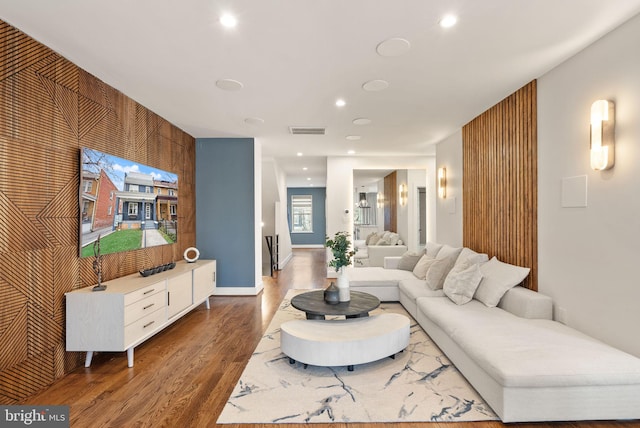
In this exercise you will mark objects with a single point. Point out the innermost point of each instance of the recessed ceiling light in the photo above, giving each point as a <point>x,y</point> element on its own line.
<point>448,21</point>
<point>375,85</point>
<point>353,137</point>
<point>299,154</point>
<point>351,152</point>
<point>229,85</point>
<point>393,47</point>
<point>308,178</point>
<point>340,102</point>
<point>254,121</point>
<point>361,121</point>
<point>304,168</point>
<point>228,20</point>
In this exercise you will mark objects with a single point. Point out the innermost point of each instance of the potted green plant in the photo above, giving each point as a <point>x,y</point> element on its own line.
<point>340,246</point>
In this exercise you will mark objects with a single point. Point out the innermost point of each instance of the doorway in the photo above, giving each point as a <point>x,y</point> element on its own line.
<point>422,216</point>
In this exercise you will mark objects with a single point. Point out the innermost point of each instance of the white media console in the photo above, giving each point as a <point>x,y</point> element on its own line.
<point>134,308</point>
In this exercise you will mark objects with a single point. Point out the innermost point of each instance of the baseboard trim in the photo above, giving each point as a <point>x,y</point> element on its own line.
<point>283,263</point>
<point>308,246</point>
<point>238,291</point>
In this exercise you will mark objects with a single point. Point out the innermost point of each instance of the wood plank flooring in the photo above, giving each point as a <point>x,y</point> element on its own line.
<point>183,376</point>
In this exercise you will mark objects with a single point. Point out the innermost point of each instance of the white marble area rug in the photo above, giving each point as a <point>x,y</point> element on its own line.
<point>419,385</point>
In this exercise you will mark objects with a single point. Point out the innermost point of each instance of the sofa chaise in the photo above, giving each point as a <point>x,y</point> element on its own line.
<point>502,338</point>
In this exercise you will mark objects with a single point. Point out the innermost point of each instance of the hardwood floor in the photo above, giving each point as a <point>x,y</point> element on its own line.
<point>183,376</point>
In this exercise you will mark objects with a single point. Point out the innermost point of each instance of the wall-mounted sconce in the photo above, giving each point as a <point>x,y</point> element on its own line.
<point>403,194</point>
<point>380,200</point>
<point>602,134</point>
<point>442,182</point>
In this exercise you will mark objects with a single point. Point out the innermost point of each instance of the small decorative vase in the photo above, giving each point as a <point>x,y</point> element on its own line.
<point>332,294</point>
<point>343,286</point>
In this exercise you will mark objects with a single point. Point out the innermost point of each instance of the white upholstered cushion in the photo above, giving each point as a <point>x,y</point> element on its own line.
<point>497,278</point>
<point>459,286</point>
<point>409,260</point>
<point>437,273</point>
<point>423,266</point>
<point>432,248</point>
<point>519,352</point>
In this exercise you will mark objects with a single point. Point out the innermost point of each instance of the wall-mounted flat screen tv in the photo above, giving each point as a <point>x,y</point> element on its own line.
<point>127,204</point>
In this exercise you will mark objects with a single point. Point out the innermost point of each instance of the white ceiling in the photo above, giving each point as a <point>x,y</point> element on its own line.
<point>296,57</point>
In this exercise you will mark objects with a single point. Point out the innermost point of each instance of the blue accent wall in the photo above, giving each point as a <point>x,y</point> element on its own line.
<point>319,195</point>
<point>225,208</point>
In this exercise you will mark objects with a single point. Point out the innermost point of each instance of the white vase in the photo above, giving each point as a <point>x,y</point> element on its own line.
<point>343,286</point>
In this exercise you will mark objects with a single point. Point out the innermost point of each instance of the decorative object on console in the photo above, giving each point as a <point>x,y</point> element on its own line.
<point>196,254</point>
<point>97,265</point>
<point>442,182</point>
<point>332,294</point>
<point>157,269</point>
<point>339,246</point>
<point>602,134</point>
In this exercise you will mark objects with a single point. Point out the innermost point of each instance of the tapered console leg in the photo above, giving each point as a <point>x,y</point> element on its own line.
<point>87,359</point>
<point>130,357</point>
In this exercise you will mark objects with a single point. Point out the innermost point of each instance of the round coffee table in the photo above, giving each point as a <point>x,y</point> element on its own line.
<point>313,304</point>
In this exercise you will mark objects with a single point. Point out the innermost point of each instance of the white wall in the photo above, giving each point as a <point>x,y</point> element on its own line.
<point>449,210</point>
<point>588,256</point>
<point>274,213</point>
<point>257,214</point>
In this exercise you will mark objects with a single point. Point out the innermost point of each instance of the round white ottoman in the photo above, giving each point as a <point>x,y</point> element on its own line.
<point>344,342</point>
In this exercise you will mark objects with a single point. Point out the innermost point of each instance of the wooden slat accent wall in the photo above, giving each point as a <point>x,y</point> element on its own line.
<point>391,202</point>
<point>49,109</point>
<point>500,182</point>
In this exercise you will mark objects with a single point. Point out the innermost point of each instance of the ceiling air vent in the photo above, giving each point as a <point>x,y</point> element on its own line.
<point>306,130</point>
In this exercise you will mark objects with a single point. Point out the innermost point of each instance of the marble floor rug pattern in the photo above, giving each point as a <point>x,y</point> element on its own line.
<point>419,385</point>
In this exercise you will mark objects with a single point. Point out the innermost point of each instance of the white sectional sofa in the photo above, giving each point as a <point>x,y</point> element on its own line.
<point>371,252</point>
<point>525,365</point>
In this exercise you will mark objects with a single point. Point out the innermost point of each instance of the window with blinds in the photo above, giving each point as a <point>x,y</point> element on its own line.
<point>301,214</point>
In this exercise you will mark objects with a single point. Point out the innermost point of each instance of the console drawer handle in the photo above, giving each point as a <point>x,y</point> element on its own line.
<point>148,324</point>
<point>148,306</point>
<point>149,291</point>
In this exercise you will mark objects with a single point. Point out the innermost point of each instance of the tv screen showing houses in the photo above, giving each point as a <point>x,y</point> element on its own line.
<point>127,204</point>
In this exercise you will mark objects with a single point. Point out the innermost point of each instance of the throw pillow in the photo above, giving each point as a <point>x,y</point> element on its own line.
<point>436,275</point>
<point>409,260</point>
<point>448,255</point>
<point>423,266</point>
<point>383,241</point>
<point>497,278</point>
<point>393,238</point>
<point>461,285</point>
<point>373,239</point>
<point>470,257</point>
<point>432,249</point>
<point>369,236</point>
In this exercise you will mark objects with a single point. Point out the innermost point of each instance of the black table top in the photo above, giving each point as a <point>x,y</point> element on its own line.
<point>313,303</point>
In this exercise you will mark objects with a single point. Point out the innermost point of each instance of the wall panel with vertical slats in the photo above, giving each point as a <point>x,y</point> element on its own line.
<point>49,109</point>
<point>500,182</point>
<point>391,202</point>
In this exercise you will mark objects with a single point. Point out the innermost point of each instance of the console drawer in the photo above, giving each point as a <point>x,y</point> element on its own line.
<point>147,291</point>
<point>145,325</point>
<point>143,307</point>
